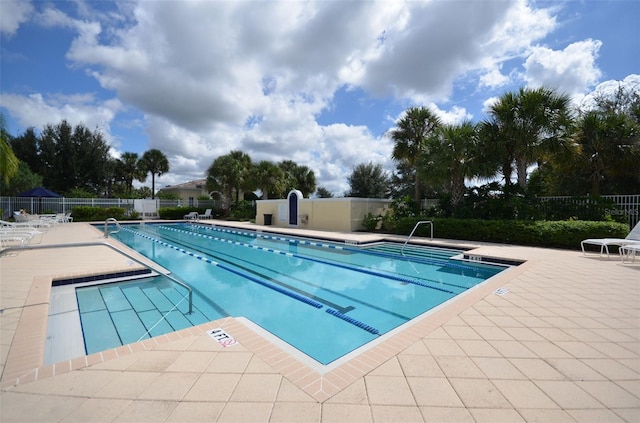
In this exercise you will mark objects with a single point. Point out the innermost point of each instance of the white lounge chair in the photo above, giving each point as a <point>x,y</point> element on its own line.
<point>632,238</point>
<point>206,215</point>
<point>191,216</point>
<point>628,252</point>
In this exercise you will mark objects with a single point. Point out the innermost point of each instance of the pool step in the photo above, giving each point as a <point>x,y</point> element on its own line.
<point>118,314</point>
<point>414,252</point>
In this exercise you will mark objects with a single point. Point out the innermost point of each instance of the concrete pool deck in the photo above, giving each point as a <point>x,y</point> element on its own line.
<point>561,344</point>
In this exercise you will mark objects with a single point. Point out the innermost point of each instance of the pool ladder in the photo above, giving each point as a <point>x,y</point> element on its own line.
<point>412,232</point>
<point>106,227</point>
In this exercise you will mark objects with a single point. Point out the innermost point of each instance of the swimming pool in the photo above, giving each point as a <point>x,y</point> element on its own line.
<point>325,299</point>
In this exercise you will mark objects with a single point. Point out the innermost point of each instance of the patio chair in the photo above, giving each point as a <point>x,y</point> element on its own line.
<point>206,215</point>
<point>632,238</point>
<point>628,252</point>
<point>191,216</point>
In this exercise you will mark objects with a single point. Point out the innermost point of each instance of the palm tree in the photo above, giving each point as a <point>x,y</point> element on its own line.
<point>532,123</point>
<point>129,169</point>
<point>8,161</point>
<point>241,167</point>
<point>297,177</point>
<point>609,146</point>
<point>269,178</point>
<point>413,130</point>
<point>156,162</point>
<point>454,157</point>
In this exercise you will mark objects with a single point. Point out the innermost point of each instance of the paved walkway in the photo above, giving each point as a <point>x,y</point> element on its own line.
<point>561,345</point>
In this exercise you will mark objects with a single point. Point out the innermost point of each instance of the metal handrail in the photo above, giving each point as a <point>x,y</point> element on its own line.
<point>106,226</point>
<point>106,244</point>
<point>412,232</point>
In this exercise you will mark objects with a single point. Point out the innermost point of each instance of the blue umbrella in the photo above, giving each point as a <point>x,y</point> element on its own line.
<point>39,192</point>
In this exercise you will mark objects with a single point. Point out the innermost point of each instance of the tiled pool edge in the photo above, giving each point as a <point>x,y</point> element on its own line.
<point>24,363</point>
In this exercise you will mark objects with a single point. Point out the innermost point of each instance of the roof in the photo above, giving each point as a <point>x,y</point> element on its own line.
<point>198,184</point>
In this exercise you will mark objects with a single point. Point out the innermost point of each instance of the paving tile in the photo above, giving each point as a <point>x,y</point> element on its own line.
<point>213,387</point>
<point>524,394</point>
<point>191,361</point>
<point>288,392</point>
<point>567,394</point>
<point>575,369</point>
<point>610,394</point>
<point>446,414</point>
<point>256,388</point>
<point>536,369</point>
<point>396,414</point>
<point>460,367</point>
<point>146,411</point>
<point>628,414</point>
<point>444,347</point>
<point>356,393</point>
<point>341,413</point>
<point>497,368</point>
<point>532,415</point>
<point>479,393</point>
<point>20,407</point>
<point>170,386</point>
<point>416,365</point>
<point>484,415</point>
<point>188,411</point>
<point>288,412</point>
<point>97,410</point>
<point>249,412</point>
<point>230,362</point>
<point>388,390</point>
<point>478,348</point>
<point>127,385</point>
<point>433,391</point>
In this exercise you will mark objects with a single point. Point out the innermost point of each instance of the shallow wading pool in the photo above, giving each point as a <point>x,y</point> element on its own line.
<point>325,299</point>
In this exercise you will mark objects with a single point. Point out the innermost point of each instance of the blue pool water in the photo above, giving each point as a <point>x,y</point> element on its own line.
<point>325,299</point>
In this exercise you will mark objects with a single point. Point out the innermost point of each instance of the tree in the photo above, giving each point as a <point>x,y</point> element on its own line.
<point>412,131</point>
<point>8,160</point>
<point>368,181</point>
<point>23,180</point>
<point>156,162</point>
<point>128,169</point>
<point>454,157</point>
<point>323,192</point>
<point>297,177</point>
<point>269,178</point>
<point>529,125</point>
<point>228,173</point>
<point>609,148</point>
<point>73,157</point>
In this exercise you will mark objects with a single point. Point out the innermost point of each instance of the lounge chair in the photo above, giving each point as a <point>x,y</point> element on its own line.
<point>629,251</point>
<point>632,238</point>
<point>191,216</point>
<point>206,215</point>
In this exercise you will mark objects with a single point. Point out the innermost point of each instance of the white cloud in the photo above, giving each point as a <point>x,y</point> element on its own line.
<point>212,77</point>
<point>14,13</point>
<point>572,70</point>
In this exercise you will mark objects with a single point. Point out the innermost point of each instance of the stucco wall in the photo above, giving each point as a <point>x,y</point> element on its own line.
<point>325,214</point>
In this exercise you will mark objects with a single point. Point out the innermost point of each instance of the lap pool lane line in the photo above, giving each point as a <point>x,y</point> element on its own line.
<point>328,263</point>
<point>301,298</point>
<point>340,310</point>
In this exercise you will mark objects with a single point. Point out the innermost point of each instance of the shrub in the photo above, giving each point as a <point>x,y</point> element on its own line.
<point>565,234</point>
<point>92,214</point>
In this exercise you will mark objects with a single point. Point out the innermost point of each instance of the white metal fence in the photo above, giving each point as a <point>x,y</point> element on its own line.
<point>46,205</point>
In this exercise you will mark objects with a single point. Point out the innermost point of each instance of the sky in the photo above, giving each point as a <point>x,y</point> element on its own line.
<point>317,82</point>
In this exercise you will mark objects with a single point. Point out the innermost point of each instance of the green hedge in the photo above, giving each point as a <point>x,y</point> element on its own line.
<point>92,214</point>
<point>553,234</point>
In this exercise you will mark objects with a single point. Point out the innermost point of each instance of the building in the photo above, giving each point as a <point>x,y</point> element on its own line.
<point>189,191</point>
